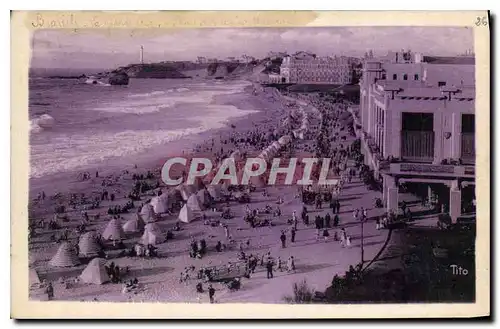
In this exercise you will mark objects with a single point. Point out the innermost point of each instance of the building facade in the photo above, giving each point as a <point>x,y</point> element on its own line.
<point>316,70</point>
<point>416,121</point>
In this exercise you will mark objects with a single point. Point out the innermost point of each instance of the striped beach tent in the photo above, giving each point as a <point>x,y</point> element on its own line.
<point>114,230</point>
<point>65,256</point>
<point>153,234</point>
<point>88,245</point>
<point>134,225</point>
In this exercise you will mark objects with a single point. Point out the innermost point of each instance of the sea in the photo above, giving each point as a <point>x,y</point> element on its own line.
<point>76,125</point>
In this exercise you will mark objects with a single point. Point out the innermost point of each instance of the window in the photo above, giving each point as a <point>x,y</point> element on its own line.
<point>415,77</point>
<point>405,77</point>
<point>394,77</point>
<point>441,83</point>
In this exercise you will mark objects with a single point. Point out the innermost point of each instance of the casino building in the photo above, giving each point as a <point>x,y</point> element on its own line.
<point>416,122</point>
<point>305,68</point>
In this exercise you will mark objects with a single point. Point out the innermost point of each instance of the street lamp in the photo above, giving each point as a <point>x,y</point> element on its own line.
<point>362,241</point>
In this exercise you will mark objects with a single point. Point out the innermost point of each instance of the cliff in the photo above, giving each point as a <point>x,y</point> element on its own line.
<point>223,70</point>
<point>151,71</point>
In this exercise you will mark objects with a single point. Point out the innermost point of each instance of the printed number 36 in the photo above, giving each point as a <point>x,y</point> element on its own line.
<point>481,21</point>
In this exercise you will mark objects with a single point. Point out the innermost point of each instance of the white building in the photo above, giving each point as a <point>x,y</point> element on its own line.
<point>416,120</point>
<point>308,69</point>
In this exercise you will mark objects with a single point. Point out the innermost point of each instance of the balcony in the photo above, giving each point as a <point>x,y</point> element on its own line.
<point>468,148</point>
<point>417,146</point>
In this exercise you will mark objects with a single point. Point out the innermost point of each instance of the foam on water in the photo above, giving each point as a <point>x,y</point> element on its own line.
<point>64,150</point>
<point>71,152</point>
<point>159,100</point>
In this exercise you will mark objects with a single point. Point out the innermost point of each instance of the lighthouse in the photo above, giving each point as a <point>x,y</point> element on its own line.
<point>142,55</point>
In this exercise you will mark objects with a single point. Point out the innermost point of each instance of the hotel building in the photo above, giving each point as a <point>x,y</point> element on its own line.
<point>416,124</point>
<point>309,69</point>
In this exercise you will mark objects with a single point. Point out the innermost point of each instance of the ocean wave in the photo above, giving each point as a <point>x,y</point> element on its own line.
<point>67,153</point>
<point>153,93</point>
<point>96,83</point>
<point>76,151</point>
<point>139,104</point>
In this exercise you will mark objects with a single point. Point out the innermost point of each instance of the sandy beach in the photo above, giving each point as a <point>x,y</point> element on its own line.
<point>316,259</point>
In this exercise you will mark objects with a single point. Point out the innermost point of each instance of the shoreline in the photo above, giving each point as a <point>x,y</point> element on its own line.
<point>153,158</point>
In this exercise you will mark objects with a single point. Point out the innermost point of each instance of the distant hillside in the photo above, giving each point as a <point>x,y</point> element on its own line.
<point>152,71</point>
<point>223,70</point>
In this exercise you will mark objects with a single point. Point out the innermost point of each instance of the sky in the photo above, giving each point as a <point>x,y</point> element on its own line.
<point>110,48</point>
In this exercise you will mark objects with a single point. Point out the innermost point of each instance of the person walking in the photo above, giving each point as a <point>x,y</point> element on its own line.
<point>293,232</point>
<point>269,267</point>
<point>355,214</point>
<point>50,291</point>
<point>283,239</point>
<point>291,264</point>
<point>211,294</point>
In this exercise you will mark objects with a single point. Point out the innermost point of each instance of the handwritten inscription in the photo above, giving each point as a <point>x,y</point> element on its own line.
<point>121,20</point>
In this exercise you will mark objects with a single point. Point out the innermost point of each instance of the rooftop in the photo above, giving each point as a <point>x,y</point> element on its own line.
<point>461,60</point>
<point>419,89</point>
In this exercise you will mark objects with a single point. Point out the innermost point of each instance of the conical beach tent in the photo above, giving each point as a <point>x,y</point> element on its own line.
<point>148,213</point>
<point>203,197</point>
<point>114,230</point>
<point>153,234</point>
<point>284,140</point>
<point>160,204</point>
<point>88,245</point>
<point>193,203</point>
<point>95,272</point>
<point>134,225</point>
<point>65,256</point>
<point>186,215</point>
<point>34,278</point>
<point>215,191</point>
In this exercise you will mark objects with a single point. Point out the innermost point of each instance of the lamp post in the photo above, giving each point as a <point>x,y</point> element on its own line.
<point>362,240</point>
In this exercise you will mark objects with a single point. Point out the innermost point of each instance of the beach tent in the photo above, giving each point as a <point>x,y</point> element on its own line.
<point>186,215</point>
<point>160,204</point>
<point>34,278</point>
<point>193,203</point>
<point>287,122</point>
<point>134,225</point>
<point>185,191</point>
<point>114,230</point>
<point>65,256</point>
<point>153,234</point>
<point>215,192</point>
<point>147,212</point>
<point>284,140</point>
<point>88,245</point>
<point>204,197</point>
<point>95,272</point>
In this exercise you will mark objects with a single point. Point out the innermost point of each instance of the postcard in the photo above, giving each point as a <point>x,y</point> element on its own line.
<point>250,164</point>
